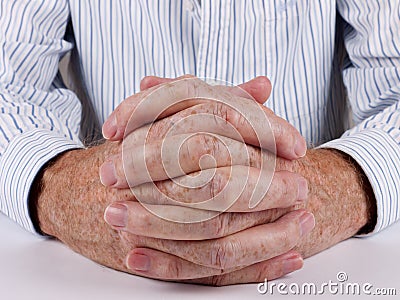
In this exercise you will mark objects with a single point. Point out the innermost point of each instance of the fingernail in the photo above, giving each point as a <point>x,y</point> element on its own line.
<point>108,175</point>
<point>138,262</point>
<point>300,147</point>
<point>292,264</point>
<point>307,223</point>
<point>110,127</point>
<point>116,215</point>
<point>302,189</point>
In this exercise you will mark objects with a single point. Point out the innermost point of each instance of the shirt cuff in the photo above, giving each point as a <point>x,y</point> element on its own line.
<point>20,163</point>
<point>378,154</point>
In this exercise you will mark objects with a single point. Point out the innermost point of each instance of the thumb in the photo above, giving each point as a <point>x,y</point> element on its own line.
<point>259,88</point>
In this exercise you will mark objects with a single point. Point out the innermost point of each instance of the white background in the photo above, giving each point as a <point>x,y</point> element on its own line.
<point>34,268</point>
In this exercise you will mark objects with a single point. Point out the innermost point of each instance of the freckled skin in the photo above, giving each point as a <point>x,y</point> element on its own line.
<point>340,197</point>
<point>78,220</point>
<point>69,203</point>
<point>73,212</point>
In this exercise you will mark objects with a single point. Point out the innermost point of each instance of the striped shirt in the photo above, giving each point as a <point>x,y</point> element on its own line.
<point>334,67</point>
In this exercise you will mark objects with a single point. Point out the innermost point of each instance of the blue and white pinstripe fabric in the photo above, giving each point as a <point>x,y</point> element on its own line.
<point>312,50</point>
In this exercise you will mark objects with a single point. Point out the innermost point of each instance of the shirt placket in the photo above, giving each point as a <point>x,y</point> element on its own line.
<point>213,45</point>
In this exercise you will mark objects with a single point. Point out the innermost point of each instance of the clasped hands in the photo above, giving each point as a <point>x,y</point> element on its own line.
<point>189,167</point>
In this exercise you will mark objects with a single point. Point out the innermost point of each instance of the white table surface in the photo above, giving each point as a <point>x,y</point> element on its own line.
<point>34,268</point>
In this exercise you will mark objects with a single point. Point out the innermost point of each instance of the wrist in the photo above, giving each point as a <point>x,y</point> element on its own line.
<point>57,178</point>
<point>43,191</point>
<point>365,193</point>
<point>340,197</point>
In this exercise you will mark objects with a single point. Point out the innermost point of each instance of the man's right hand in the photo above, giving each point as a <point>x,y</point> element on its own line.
<point>70,206</point>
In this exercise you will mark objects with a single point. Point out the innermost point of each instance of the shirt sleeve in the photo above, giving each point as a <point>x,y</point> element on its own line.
<point>39,119</point>
<point>372,79</point>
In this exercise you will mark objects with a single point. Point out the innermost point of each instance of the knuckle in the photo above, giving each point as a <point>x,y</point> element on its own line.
<point>220,110</point>
<point>288,237</point>
<point>288,188</point>
<point>292,188</point>
<point>197,146</point>
<point>210,144</point>
<point>278,131</point>
<point>240,119</point>
<point>157,130</point>
<point>192,85</point>
<point>260,272</point>
<point>256,157</point>
<point>218,280</point>
<point>284,134</point>
<point>221,225</point>
<point>283,190</point>
<point>216,186</point>
<point>173,269</point>
<point>145,221</point>
<point>224,254</point>
<point>270,215</point>
<point>231,116</point>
